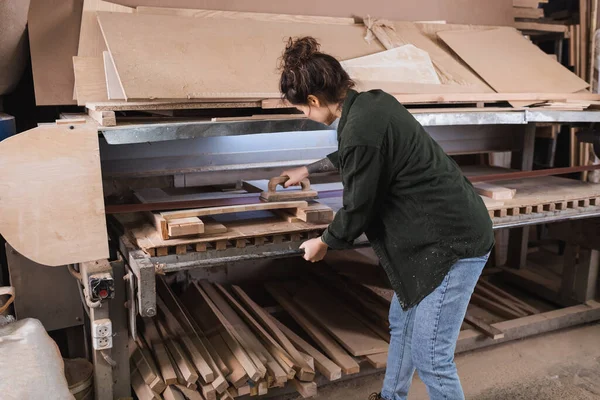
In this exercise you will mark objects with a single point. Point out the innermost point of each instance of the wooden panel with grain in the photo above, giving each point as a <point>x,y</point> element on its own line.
<point>170,57</point>
<point>201,212</point>
<point>51,195</point>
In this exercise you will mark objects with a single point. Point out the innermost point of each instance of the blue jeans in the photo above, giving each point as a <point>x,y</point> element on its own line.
<point>428,345</point>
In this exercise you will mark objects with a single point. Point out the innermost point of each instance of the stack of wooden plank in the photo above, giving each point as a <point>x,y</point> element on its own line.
<point>164,59</point>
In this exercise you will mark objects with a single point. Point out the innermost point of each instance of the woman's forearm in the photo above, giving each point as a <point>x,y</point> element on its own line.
<point>324,165</point>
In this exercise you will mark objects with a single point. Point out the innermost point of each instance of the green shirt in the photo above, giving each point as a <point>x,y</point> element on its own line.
<point>420,213</point>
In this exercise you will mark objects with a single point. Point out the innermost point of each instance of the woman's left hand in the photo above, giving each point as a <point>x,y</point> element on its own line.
<point>314,250</point>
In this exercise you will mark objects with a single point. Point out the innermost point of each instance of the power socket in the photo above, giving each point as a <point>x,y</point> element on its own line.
<point>102,328</point>
<point>102,343</point>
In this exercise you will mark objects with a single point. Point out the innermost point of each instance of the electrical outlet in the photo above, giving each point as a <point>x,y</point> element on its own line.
<point>102,343</point>
<point>101,328</point>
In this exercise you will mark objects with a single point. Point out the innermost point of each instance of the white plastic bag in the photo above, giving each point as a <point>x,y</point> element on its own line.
<point>31,367</point>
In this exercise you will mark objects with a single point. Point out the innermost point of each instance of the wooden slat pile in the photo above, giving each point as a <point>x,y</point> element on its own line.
<point>164,59</point>
<point>216,342</point>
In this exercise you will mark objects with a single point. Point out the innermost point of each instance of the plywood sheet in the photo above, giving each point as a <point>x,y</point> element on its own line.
<point>113,86</point>
<point>172,57</point>
<point>53,39</point>
<point>451,71</point>
<point>510,63</point>
<point>90,84</point>
<point>496,12</point>
<point>51,202</point>
<point>401,64</point>
<point>91,42</point>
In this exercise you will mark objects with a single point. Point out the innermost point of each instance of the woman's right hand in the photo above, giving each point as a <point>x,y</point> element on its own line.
<point>295,176</point>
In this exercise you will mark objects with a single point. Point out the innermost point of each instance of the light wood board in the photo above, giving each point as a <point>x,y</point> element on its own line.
<point>91,42</point>
<point>13,50</point>
<point>51,201</point>
<point>510,63</point>
<point>170,57</point>
<point>90,84</point>
<point>450,69</point>
<point>53,38</point>
<point>401,64</point>
<point>497,12</point>
<point>202,212</point>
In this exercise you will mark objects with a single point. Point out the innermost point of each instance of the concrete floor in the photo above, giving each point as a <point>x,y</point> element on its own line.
<point>563,365</point>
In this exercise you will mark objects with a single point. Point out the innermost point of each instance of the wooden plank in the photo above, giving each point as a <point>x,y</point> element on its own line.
<point>541,27</point>
<point>485,292</point>
<point>356,338</point>
<point>503,293</point>
<point>510,63</point>
<point>53,27</point>
<point>528,3</point>
<point>157,38</point>
<point>278,368</point>
<point>480,325</point>
<point>304,371</point>
<point>492,306</point>
<point>183,364</point>
<point>236,325</point>
<point>111,79</point>
<point>378,360</point>
<point>152,337</point>
<point>212,322</point>
<point>529,13</point>
<point>327,343</point>
<point>470,12</point>
<point>237,377</point>
<point>185,226</point>
<point>53,227</point>
<point>305,389</point>
<point>90,84</point>
<point>201,212</point>
<point>142,391</point>
<point>171,105</point>
<point>494,192</point>
<point>532,325</point>
<point>141,360</point>
<point>238,15</point>
<point>315,213</point>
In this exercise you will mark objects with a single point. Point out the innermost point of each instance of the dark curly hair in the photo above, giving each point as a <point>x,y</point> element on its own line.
<point>305,71</point>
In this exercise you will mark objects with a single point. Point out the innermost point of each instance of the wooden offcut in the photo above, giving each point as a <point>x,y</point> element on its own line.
<point>171,57</point>
<point>201,212</point>
<point>51,195</point>
<point>510,63</point>
<point>494,192</point>
<point>185,226</point>
<point>113,86</point>
<point>484,327</point>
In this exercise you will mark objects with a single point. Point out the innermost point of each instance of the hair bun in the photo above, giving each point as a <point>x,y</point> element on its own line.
<point>299,50</point>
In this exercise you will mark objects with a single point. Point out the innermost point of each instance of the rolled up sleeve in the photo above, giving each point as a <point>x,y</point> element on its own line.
<point>361,176</point>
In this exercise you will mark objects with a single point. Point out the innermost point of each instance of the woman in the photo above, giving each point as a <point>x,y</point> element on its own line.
<point>429,228</point>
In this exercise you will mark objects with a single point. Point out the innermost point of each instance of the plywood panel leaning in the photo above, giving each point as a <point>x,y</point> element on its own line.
<point>51,202</point>
<point>170,57</point>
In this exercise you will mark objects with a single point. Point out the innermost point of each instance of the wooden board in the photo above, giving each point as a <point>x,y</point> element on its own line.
<point>185,227</point>
<point>90,83</point>
<point>356,338</point>
<point>510,63</point>
<point>498,12</point>
<point>401,64</point>
<point>91,42</point>
<point>13,51</point>
<point>51,195</point>
<point>450,69</point>
<point>324,365</point>
<point>172,57</point>
<point>53,39</point>
<point>494,192</point>
<point>530,13</point>
<point>111,79</point>
<point>482,326</point>
<point>171,105</point>
<point>322,338</point>
<point>201,212</point>
<point>378,360</point>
